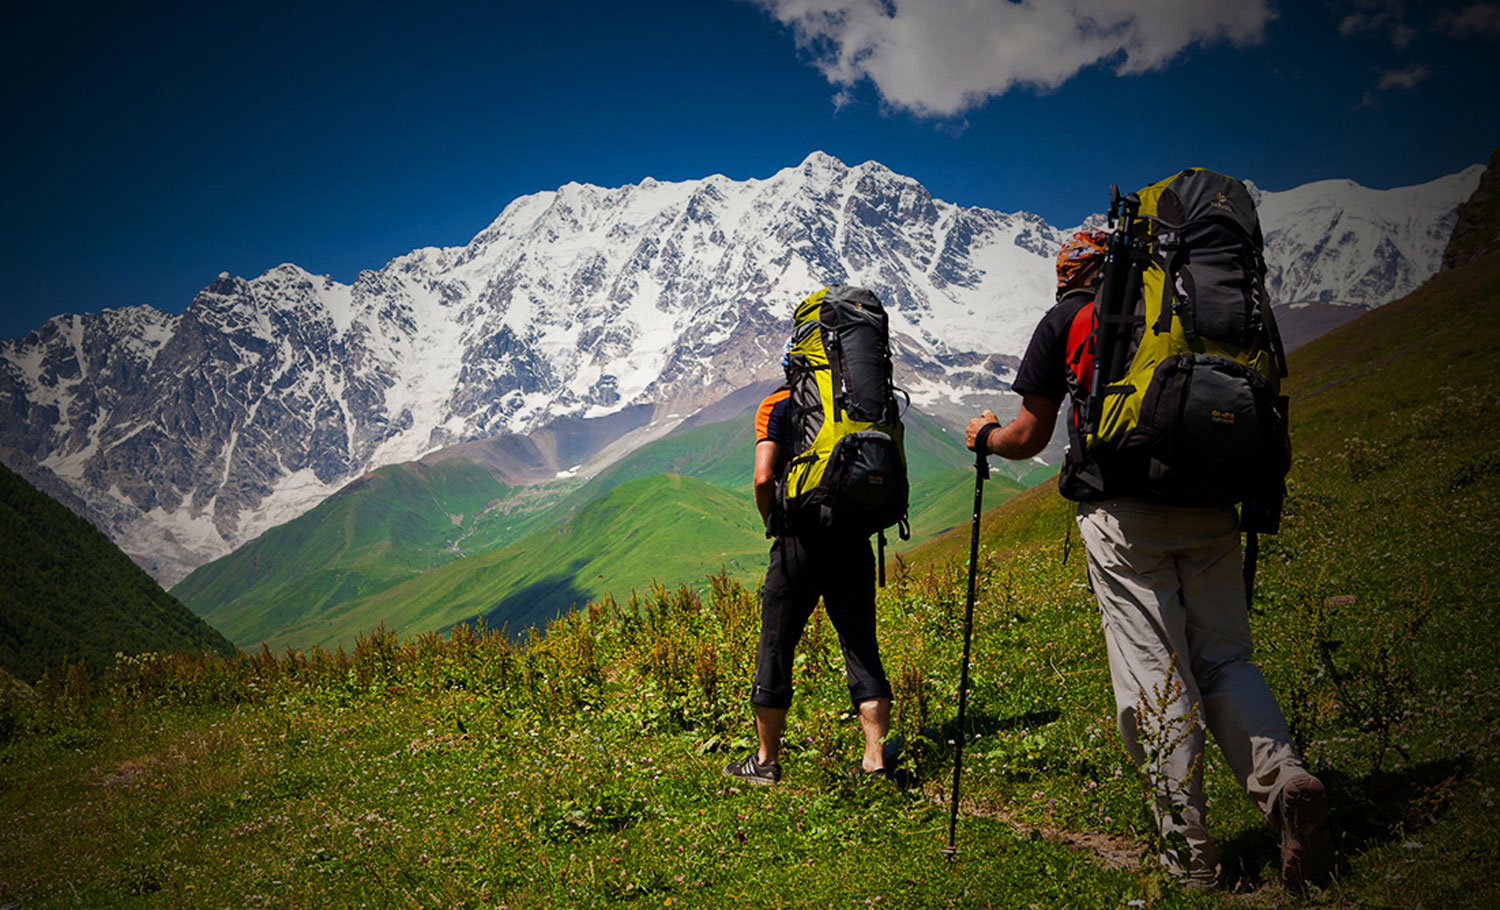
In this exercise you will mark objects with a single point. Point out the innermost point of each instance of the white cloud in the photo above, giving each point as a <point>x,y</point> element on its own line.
<point>1474,20</point>
<point>1407,78</point>
<point>942,57</point>
<point>1354,23</point>
<point>1380,15</point>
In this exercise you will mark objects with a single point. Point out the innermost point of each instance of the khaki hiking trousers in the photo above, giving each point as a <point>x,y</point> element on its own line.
<point>1172,600</point>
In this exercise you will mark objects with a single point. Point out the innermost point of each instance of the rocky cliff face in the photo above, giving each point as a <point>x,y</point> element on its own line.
<point>185,435</point>
<point>1476,229</point>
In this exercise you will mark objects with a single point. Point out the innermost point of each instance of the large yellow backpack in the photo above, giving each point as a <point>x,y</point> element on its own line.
<point>848,467</point>
<point>1185,405</point>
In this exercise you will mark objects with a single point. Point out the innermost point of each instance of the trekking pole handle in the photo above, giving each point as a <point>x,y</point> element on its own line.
<point>982,450</point>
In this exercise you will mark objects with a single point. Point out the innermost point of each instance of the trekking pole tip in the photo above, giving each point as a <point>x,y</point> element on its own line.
<point>951,852</point>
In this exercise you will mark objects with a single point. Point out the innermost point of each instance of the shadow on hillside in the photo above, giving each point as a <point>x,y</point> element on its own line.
<point>538,602</point>
<point>532,605</point>
<point>1365,812</point>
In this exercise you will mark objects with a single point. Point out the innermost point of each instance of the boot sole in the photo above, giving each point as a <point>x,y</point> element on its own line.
<point>1306,852</point>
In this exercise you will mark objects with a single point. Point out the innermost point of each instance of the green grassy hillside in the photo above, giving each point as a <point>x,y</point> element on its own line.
<point>68,593</point>
<point>582,767</point>
<point>398,522</point>
<point>653,529</point>
<point>722,454</point>
<point>327,575</point>
<point>716,453</point>
<point>376,532</point>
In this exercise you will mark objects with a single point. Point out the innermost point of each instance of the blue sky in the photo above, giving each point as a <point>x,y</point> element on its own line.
<point>151,146</point>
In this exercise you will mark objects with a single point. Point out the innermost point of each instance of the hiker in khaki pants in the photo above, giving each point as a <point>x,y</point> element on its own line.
<point>1173,606</point>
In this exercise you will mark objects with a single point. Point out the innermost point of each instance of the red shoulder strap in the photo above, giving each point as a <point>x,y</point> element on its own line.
<point>1080,352</point>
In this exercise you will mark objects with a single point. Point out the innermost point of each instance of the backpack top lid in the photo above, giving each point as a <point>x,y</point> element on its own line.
<point>1200,197</point>
<point>813,308</point>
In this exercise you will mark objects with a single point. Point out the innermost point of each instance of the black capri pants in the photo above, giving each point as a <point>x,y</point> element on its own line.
<point>840,569</point>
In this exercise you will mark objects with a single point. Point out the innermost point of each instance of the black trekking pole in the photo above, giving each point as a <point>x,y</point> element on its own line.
<point>981,474</point>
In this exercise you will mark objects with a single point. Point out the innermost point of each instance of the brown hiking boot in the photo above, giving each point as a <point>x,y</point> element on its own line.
<point>1306,845</point>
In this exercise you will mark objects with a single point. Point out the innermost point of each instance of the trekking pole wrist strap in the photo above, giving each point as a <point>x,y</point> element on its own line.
<point>982,439</point>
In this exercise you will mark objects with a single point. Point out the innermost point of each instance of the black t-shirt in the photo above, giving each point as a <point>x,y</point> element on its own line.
<point>1059,360</point>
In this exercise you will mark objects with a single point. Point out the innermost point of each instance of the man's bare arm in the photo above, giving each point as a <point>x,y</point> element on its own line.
<point>1023,437</point>
<point>766,453</point>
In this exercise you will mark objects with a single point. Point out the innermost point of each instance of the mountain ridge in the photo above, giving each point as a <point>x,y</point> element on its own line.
<point>186,435</point>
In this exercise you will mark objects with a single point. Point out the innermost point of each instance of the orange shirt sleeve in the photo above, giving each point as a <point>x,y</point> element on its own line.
<point>763,413</point>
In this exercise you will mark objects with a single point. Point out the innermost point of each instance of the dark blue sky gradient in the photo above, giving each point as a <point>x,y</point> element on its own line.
<point>150,147</point>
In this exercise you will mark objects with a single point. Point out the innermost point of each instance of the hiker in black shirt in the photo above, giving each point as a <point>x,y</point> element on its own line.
<point>1174,614</point>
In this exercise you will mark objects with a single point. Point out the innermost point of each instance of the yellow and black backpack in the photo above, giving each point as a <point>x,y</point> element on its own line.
<point>848,467</point>
<point>1184,403</point>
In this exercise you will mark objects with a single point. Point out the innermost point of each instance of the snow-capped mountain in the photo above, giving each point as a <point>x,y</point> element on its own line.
<point>185,435</point>
<point>1336,242</point>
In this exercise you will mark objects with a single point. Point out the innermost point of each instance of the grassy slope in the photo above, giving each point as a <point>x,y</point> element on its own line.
<point>335,571</point>
<point>67,592</point>
<point>644,531</point>
<point>378,531</point>
<point>714,453</point>
<point>945,499</point>
<point>582,769</point>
